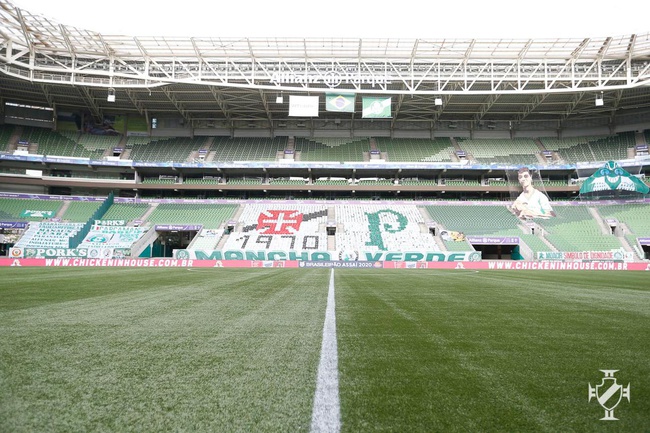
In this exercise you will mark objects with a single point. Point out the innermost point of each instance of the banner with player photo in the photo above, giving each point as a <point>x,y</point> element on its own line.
<point>529,198</point>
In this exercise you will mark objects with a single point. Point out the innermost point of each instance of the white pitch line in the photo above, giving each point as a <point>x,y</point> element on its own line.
<point>326,414</point>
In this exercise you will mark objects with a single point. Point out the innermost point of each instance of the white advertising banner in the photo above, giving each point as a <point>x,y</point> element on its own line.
<point>303,106</point>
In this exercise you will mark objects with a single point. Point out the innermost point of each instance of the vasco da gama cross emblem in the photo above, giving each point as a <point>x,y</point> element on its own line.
<point>609,394</point>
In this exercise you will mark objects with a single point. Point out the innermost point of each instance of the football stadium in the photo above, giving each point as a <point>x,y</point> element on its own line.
<point>212,234</point>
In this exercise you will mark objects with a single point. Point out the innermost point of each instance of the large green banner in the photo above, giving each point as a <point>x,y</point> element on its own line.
<point>612,177</point>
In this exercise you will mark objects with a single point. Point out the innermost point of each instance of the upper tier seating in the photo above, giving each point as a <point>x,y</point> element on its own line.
<point>163,149</point>
<point>247,149</point>
<point>416,150</point>
<point>68,143</point>
<point>584,149</point>
<point>333,149</point>
<point>502,151</point>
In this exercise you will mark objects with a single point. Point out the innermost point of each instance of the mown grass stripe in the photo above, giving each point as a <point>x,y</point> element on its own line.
<point>161,350</point>
<point>326,414</point>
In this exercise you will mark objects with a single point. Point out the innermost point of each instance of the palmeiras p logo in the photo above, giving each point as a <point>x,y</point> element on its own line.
<point>609,394</point>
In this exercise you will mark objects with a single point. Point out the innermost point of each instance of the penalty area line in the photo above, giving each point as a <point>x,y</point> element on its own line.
<point>326,413</point>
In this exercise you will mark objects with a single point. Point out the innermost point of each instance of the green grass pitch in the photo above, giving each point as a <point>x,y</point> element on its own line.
<point>237,350</point>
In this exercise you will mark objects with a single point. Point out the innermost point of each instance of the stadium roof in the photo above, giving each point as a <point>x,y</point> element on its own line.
<point>233,83</point>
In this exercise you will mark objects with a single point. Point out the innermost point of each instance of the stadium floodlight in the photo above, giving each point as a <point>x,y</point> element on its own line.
<point>111,95</point>
<point>437,101</point>
<point>279,99</point>
<point>599,100</point>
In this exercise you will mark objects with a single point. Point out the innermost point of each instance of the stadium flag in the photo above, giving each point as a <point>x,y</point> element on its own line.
<point>374,108</point>
<point>303,106</point>
<point>341,102</point>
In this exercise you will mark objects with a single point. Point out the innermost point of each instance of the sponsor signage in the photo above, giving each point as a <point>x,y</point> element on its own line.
<point>338,264</point>
<point>110,222</point>
<point>643,241</point>
<point>62,160</point>
<point>568,256</point>
<point>518,265</point>
<point>152,164</point>
<point>493,240</point>
<point>331,79</point>
<point>178,227</point>
<point>13,224</point>
<point>47,252</point>
<point>110,162</point>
